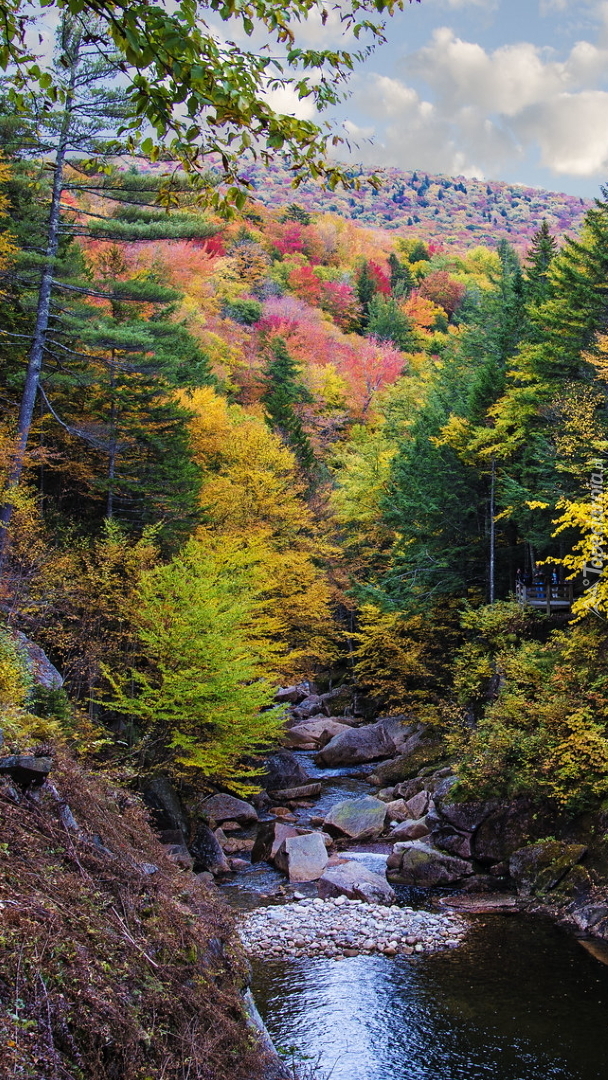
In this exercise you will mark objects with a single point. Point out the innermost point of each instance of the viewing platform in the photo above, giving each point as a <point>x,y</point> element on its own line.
<point>546,597</point>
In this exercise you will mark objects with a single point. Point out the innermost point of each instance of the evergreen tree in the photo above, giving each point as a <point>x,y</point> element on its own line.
<point>387,322</point>
<point>402,281</point>
<point>539,258</point>
<point>367,288</point>
<point>284,390</point>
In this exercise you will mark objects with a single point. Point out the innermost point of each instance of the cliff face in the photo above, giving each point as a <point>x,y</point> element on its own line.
<point>114,964</point>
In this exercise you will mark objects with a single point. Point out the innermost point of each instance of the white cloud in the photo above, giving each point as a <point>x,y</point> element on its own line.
<point>286,100</point>
<point>487,110</point>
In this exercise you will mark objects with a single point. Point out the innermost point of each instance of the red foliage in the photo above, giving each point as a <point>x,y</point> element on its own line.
<point>381,278</point>
<point>443,290</point>
<point>289,237</point>
<point>339,299</point>
<point>369,367</point>
<point>306,285</point>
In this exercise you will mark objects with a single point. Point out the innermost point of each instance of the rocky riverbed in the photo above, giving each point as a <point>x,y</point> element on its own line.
<point>335,928</point>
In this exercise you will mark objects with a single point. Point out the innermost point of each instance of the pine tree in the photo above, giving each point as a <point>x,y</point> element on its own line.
<point>387,322</point>
<point>402,281</point>
<point>538,261</point>
<point>367,288</point>
<point>283,391</point>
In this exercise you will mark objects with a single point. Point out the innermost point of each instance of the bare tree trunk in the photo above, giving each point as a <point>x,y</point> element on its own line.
<point>43,308</point>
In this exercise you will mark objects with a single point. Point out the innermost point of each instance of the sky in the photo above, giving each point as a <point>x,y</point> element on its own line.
<point>513,90</point>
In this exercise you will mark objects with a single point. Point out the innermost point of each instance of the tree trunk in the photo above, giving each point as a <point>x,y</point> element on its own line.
<point>43,307</point>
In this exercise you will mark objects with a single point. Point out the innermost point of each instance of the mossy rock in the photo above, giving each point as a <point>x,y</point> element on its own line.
<point>538,868</point>
<point>428,752</point>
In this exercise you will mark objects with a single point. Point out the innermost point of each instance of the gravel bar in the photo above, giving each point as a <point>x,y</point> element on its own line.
<point>339,927</point>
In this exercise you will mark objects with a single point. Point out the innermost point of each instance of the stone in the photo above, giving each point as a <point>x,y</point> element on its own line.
<point>310,706</point>
<point>307,791</point>
<point>302,858</point>
<point>207,852</point>
<point>179,854</point>
<point>413,829</point>
<point>283,770</point>
<point>25,769</point>
<point>509,827</point>
<point>409,788</point>
<point>396,810</point>
<point>339,700</point>
<point>234,844</point>
<point>226,808</point>
<point>161,798</point>
<point>417,806</point>
<point>355,746</point>
<point>466,817</point>
<point>238,864</point>
<point>424,867</point>
<point>386,795</point>
<point>314,733</point>
<point>357,818</point>
<point>40,668</point>
<point>270,836</point>
<point>423,747</point>
<point>291,695</point>
<point>538,868</point>
<point>354,881</point>
<point>453,842</point>
<point>284,813</point>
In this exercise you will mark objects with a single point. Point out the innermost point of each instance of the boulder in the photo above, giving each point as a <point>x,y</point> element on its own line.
<point>302,858</point>
<point>270,836</point>
<point>40,668</point>
<point>358,819</point>
<point>509,827</point>
<point>399,728</point>
<point>162,799</point>
<point>179,854</point>
<point>307,791</point>
<point>283,770</point>
<point>291,695</point>
<point>423,747</point>
<point>226,808</point>
<point>455,843</point>
<point>417,806</point>
<point>25,769</point>
<point>409,830</point>
<point>424,867</point>
<point>356,746</point>
<point>465,816</point>
<point>409,788</point>
<point>539,867</point>
<point>312,734</point>
<point>310,706</point>
<point>207,852</point>
<point>396,810</point>
<point>339,700</point>
<point>353,880</point>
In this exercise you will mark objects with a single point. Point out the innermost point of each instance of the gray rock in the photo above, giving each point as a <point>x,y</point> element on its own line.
<point>270,836</point>
<point>42,671</point>
<point>423,866</point>
<point>409,830</point>
<point>409,788</point>
<point>538,868</point>
<point>357,818</point>
<point>162,799</point>
<point>310,706</point>
<point>307,791</point>
<point>396,810</point>
<point>464,816</point>
<point>25,769</point>
<point>423,747</point>
<point>283,770</point>
<point>207,853</point>
<point>417,806</point>
<point>227,808</point>
<point>353,880</point>
<point>356,746</point>
<point>291,695</point>
<point>338,700</point>
<point>509,827</point>
<point>453,842</point>
<point>179,854</point>
<point>302,858</point>
<point>314,733</point>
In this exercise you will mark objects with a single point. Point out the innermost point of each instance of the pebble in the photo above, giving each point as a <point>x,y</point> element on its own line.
<point>339,927</point>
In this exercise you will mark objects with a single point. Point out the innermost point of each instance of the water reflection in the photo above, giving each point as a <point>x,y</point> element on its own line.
<point>521,1001</point>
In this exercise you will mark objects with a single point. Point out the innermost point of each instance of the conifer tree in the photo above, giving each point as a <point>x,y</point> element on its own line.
<point>538,260</point>
<point>387,322</point>
<point>402,281</point>
<point>283,391</point>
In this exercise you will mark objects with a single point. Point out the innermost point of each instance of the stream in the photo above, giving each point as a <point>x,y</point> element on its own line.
<point>520,1000</point>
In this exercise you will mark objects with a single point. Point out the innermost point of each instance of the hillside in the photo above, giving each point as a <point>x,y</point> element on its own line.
<point>453,210</point>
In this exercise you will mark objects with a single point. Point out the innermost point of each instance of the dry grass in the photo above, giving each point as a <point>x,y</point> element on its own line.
<point>106,972</point>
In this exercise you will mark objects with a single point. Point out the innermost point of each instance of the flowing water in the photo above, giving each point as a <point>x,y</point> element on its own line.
<point>520,1000</point>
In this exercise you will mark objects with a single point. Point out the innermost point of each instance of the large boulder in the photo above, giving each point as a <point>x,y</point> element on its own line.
<point>283,770</point>
<point>355,881</point>
<point>25,769</point>
<point>538,868</point>
<point>416,863</point>
<point>359,819</point>
<point>465,816</point>
<point>423,747</point>
<point>270,836</point>
<point>339,700</point>
<point>291,794</point>
<point>418,805</point>
<point>291,695</point>
<point>396,809</point>
<point>409,830</point>
<point>312,734</point>
<point>310,706</point>
<point>167,812</point>
<point>207,852</point>
<point>226,808</point>
<point>510,826</point>
<point>302,858</point>
<point>42,671</point>
<point>455,843</point>
<point>356,746</point>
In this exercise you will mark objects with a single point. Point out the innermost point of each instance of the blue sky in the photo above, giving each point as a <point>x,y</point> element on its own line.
<point>513,90</point>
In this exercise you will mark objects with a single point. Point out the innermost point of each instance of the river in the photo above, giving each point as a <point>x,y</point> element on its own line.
<point>520,1000</point>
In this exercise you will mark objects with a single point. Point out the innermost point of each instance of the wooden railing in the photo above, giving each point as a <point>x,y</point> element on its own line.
<point>545,595</point>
